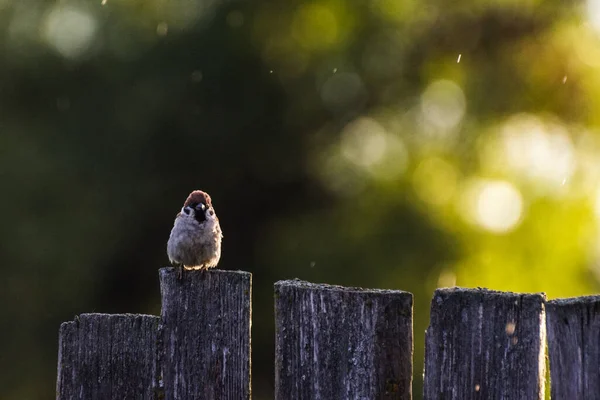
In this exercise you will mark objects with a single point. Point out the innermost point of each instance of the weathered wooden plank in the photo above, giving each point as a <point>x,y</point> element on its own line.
<point>334,342</point>
<point>574,347</point>
<point>102,356</point>
<point>206,319</point>
<point>483,344</point>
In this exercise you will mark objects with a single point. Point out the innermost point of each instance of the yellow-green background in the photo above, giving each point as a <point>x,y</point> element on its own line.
<point>389,143</point>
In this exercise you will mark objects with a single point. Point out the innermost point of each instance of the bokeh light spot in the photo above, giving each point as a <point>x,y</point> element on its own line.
<point>339,178</point>
<point>162,29</point>
<point>364,142</point>
<point>70,31</point>
<point>395,160</point>
<point>585,42</point>
<point>540,152</point>
<point>593,12</point>
<point>443,104</point>
<point>495,206</point>
<point>499,206</point>
<point>197,76</point>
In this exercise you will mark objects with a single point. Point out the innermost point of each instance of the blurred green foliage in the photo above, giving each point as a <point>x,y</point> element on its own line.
<point>391,144</point>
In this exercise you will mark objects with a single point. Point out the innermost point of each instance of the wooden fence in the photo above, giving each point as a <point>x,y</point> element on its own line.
<point>333,342</point>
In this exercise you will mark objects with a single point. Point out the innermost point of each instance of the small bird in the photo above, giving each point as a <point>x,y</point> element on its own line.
<point>195,240</point>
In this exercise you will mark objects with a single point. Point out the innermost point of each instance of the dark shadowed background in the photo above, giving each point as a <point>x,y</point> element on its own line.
<point>391,143</point>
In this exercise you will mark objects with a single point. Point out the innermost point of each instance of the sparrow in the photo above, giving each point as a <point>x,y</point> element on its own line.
<point>195,240</point>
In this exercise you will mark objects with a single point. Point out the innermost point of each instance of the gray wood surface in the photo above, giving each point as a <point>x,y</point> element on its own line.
<point>574,347</point>
<point>206,334</point>
<point>105,356</point>
<point>482,344</point>
<point>334,342</point>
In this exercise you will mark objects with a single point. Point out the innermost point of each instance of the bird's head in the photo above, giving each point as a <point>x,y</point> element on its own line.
<point>198,206</point>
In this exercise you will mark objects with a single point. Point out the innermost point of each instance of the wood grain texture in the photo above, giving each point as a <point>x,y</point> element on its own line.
<point>334,342</point>
<point>206,319</point>
<point>574,347</point>
<point>483,344</point>
<point>104,356</point>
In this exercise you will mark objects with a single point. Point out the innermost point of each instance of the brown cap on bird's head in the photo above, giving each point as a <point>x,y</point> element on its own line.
<point>198,196</point>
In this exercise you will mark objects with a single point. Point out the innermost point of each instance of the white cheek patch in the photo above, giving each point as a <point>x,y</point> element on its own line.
<point>187,212</point>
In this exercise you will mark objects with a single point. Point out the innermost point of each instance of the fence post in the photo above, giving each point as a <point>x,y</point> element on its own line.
<point>485,344</point>
<point>574,347</point>
<point>342,343</point>
<point>103,356</point>
<point>206,318</point>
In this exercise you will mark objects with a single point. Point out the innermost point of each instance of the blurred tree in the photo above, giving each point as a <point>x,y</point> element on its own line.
<point>394,144</point>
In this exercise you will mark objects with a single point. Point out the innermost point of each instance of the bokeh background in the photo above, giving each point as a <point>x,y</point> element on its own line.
<point>401,144</point>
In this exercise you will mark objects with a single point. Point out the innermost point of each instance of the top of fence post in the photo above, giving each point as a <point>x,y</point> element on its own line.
<point>485,341</point>
<point>206,319</point>
<point>104,356</point>
<point>334,342</point>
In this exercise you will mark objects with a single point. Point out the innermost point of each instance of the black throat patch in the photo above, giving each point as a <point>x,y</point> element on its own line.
<point>199,212</point>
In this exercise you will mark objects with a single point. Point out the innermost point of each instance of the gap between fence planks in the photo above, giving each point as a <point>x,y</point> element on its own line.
<point>334,342</point>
